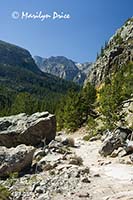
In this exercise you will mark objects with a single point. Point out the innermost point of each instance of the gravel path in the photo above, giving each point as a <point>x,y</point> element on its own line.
<point>111,180</point>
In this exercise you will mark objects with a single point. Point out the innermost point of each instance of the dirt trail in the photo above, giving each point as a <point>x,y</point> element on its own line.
<point>110,179</point>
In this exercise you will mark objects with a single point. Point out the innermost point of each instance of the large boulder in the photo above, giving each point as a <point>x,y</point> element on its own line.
<point>25,129</point>
<point>15,159</point>
<point>114,140</point>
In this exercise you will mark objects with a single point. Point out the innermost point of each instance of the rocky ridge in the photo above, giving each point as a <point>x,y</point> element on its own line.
<point>118,51</point>
<point>12,55</point>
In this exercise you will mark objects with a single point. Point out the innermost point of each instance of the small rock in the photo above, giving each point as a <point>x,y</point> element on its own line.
<point>96,175</point>
<point>77,175</point>
<point>129,147</point>
<point>107,163</point>
<point>125,160</point>
<point>92,139</point>
<point>39,153</point>
<point>35,186</point>
<point>76,160</point>
<point>44,197</point>
<point>131,157</point>
<point>59,191</point>
<point>69,141</point>
<point>85,180</point>
<point>116,152</point>
<point>39,190</point>
<point>84,195</point>
<point>85,170</point>
<point>47,167</point>
<point>122,153</point>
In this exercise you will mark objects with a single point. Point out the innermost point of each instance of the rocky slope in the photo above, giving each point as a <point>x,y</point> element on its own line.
<point>12,55</point>
<point>64,68</point>
<point>118,51</point>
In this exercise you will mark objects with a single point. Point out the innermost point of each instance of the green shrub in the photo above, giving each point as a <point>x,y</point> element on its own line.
<point>5,194</point>
<point>86,137</point>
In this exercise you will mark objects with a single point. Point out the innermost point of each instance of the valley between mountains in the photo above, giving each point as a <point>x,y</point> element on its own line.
<point>66,128</point>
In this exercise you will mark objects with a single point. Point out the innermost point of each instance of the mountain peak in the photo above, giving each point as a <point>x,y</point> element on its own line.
<point>63,67</point>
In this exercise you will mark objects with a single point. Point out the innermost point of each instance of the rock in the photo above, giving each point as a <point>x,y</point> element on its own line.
<point>125,160</point>
<point>25,129</point>
<point>129,147</point>
<point>48,167</point>
<point>108,147</point>
<point>114,140</point>
<point>39,153</point>
<point>44,197</point>
<point>85,180</point>
<point>76,160</point>
<point>86,195</point>
<point>48,162</point>
<point>35,186</point>
<point>58,147</point>
<point>96,175</point>
<point>84,170</point>
<point>69,142</point>
<point>120,151</point>
<point>92,139</point>
<point>117,53</point>
<point>39,190</point>
<point>131,157</point>
<point>15,159</point>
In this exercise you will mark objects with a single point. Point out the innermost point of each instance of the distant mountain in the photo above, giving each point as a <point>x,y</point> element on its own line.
<point>39,61</point>
<point>63,67</point>
<point>19,73</point>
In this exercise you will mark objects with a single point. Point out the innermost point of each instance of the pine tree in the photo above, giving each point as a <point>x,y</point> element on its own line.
<point>24,103</point>
<point>114,92</point>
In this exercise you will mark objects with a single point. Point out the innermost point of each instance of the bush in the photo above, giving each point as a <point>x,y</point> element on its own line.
<point>5,194</point>
<point>87,137</point>
<point>71,141</point>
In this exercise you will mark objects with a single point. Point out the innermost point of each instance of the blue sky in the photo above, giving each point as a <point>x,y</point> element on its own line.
<point>79,38</point>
